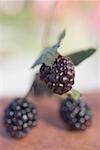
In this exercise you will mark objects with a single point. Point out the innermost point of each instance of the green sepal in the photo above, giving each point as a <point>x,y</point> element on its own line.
<point>74,94</point>
<point>49,54</point>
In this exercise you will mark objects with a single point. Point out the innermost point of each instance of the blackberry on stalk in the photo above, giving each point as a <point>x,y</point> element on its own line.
<point>76,113</point>
<point>60,76</point>
<point>20,117</point>
<point>57,71</point>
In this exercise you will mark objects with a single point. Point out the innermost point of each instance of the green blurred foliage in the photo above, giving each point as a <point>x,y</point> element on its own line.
<point>21,19</point>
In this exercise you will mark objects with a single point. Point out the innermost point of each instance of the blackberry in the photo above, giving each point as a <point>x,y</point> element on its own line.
<point>60,76</point>
<point>20,117</point>
<point>77,114</point>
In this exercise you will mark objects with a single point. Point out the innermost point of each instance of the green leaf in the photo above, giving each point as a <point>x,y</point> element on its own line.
<point>49,54</point>
<point>80,56</point>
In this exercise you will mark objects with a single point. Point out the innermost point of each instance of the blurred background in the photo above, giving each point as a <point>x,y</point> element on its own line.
<point>28,26</point>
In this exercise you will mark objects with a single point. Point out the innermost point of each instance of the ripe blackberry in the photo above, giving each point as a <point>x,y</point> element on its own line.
<point>20,117</point>
<point>77,114</point>
<point>60,77</point>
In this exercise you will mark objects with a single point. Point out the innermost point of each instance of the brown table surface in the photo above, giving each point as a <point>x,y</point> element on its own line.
<point>51,133</point>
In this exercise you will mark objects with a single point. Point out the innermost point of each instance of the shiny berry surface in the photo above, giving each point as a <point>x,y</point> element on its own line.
<point>20,117</point>
<point>76,114</point>
<point>60,77</point>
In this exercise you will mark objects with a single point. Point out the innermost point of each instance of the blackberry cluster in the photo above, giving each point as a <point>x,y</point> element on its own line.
<point>20,117</point>
<point>60,77</point>
<point>76,114</point>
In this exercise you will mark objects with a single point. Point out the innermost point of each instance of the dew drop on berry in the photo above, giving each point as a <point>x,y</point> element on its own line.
<point>24,117</point>
<point>25,104</point>
<point>9,121</point>
<point>77,125</point>
<point>20,122</point>
<point>11,113</point>
<point>25,125</point>
<point>18,107</point>
<point>82,120</point>
<point>30,115</point>
<point>34,111</point>
<point>87,117</point>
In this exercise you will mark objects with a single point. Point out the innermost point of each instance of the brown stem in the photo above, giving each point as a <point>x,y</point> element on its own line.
<point>31,89</point>
<point>45,43</point>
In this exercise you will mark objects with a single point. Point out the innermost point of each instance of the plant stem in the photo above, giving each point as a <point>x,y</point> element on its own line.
<point>45,40</point>
<point>31,89</point>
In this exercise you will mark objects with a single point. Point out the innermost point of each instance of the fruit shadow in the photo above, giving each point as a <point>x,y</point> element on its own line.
<point>3,132</point>
<point>54,120</point>
<point>51,117</point>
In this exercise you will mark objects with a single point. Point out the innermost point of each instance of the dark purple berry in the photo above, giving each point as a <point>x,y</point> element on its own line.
<point>76,114</point>
<point>20,117</point>
<point>60,76</point>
